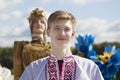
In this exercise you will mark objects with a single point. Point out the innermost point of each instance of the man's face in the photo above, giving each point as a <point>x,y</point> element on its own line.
<point>38,26</point>
<point>61,32</point>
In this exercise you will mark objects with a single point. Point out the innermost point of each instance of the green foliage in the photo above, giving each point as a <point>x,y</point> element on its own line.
<point>6,57</point>
<point>74,50</point>
<point>99,48</point>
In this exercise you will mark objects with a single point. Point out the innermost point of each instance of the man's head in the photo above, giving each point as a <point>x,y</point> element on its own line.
<point>61,15</point>
<point>61,28</point>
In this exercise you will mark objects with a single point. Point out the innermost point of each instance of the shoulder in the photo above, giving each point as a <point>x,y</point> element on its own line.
<point>39,62</point>
<point>37,65</point>
<point>84,61</point>
<point>34,69</point>
<point>89,67</point>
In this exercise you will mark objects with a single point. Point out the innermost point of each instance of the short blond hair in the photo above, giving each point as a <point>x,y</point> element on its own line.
<point>58,15</point>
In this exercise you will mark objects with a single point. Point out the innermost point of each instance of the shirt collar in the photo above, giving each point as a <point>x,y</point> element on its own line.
<point>67,58</point>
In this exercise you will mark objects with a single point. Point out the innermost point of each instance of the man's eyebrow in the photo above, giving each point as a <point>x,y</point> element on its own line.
<point>56,26</point>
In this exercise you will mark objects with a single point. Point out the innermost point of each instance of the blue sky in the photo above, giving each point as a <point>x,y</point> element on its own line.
<point>100,18</point>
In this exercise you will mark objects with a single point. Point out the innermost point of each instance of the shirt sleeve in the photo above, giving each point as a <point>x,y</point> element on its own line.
<point>26,74</point>
<point>89,68</point>
<point>97,75</point>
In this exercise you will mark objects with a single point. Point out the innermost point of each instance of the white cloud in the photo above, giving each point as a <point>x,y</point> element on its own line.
<point>4,4</point>
<point>115,26</point>
<point>75,2</point>
<point>100,28</point>
<point>84,2</point>
<point>9,41</point>
<point>14,30</point>
<point>4,17</point>
<point>16,14</point>
<point>91,24</point>
<point>9,35</point>
<point>43,2</point>
<point>6,32</point>
<point>12,15</point>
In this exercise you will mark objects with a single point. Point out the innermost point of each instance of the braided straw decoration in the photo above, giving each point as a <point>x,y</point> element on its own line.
<point>32,52</point>
<point>37,13</point>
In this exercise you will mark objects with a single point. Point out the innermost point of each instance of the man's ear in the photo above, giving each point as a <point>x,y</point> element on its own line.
<point>73,33</point>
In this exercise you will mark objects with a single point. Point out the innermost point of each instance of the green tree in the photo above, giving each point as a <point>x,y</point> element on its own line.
<point>6,57</point>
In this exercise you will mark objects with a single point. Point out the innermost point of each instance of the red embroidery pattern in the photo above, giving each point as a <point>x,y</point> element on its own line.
<point>68,69</point>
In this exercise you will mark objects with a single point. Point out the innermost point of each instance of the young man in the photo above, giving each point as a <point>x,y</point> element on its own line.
<point>61,64</point>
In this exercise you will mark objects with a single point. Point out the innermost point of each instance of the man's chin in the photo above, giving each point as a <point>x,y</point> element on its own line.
<point>63,43</point>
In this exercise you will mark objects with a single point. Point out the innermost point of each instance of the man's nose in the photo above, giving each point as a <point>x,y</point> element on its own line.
<point>62,32</point>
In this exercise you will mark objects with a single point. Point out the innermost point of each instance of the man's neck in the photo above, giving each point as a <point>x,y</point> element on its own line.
<point>60,53</point>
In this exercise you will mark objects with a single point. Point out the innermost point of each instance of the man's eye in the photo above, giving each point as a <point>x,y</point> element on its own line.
<point>57,28</point>
<point>67,29</point>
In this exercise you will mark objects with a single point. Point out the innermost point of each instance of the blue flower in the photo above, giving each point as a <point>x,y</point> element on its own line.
<point>115,58</point>
<point>109,49</point>
<point>110,70</point>
<point>101,66</point>
<point>109,62</point>
<point>92,55</point>
<point>84,45</point>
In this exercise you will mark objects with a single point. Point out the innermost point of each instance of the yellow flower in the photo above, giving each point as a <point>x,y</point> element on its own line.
<point>80,54</point>
<point>105,57</point>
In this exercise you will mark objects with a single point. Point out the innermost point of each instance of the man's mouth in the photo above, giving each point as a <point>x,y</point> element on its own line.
<point>61,39</point>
